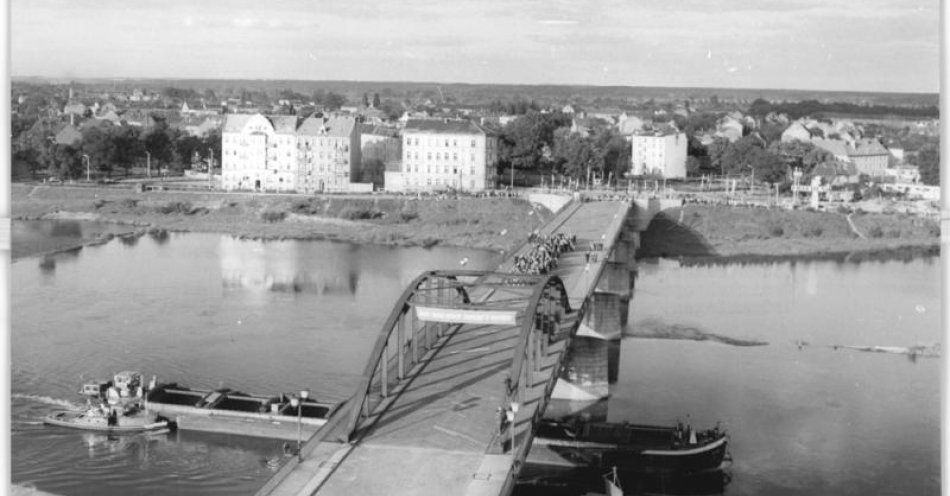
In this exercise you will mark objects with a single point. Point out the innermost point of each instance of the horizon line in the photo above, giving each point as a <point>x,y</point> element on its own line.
<point>586,85</point>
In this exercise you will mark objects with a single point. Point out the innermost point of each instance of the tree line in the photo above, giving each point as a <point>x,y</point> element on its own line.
<point>107,148</point>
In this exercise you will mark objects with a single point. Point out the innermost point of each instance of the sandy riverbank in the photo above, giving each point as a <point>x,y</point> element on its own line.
<point>722,234</point>
<point>486,223</point>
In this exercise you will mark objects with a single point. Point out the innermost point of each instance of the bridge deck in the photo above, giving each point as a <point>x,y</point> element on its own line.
<point>433,437</point>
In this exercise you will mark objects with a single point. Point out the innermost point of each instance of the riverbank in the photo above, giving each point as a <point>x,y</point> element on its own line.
<point>702,234</point>
<point>485,223</point>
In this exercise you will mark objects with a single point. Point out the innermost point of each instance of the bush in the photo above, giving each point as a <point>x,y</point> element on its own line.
<point>777,231</point>
<point>814,232</point>
<point>128,203</point>
<point>935,231</point>
<point>876,232</point>
<point>894,233</point>
<point>355,213</point>
<point>306,207</point>
<point>273,215</point>
<point>176,207</point>
<point>408,216</point>
<point>98,203</point>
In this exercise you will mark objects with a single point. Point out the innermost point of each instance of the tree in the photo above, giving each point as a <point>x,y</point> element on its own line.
<point>928,162</point>
<point>375,100</point>
<point>334,101</point>
<point>158,144</point>
<point>128,147</point>
<point>574,155</point>
<point>524,139</point>
<point>365,100</point>
<point>98,146</point>
<point>64,162</point>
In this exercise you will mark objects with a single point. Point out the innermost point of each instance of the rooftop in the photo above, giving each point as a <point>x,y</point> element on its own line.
<point>444,126</point>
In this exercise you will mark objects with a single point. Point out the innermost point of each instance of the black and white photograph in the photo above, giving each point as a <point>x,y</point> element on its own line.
<point>474,247</point>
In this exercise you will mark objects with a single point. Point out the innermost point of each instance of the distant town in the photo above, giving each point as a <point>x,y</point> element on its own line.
<point>282,140</point>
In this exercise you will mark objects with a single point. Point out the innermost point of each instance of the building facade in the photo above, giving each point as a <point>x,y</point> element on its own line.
<point>870,157</point>
<point>329,154</point>
<point>661,153</point>
<point>445,154</point>
<point>282,154</point>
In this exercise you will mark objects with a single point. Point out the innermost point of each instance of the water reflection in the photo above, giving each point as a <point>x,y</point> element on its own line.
<point>275,266</point>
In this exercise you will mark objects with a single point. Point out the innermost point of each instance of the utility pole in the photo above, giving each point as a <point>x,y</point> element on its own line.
<point>86,157</point>
<point>210,168</point>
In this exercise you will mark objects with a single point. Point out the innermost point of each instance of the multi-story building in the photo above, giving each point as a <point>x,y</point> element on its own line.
<point>379,146</point>
<point>660,152</point>
<point>259,153</point>
<point>870,157</point>
<point>444,154</point>
<point>329,154</point>
<point>280,153</point>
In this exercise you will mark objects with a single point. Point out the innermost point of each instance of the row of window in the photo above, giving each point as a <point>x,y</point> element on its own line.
<point>445,169</point>
<point>414,141</point>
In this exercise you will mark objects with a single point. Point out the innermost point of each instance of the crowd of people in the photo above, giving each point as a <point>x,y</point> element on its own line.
<point>544,252</point>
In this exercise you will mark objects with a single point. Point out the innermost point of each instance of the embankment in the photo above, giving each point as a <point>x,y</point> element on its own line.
<point>723,234</point>
<point>485,223</point>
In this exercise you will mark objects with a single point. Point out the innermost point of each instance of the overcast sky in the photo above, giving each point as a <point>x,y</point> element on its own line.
<point>861,45</point>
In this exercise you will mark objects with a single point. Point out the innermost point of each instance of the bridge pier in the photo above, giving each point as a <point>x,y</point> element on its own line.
<point>592,362</point>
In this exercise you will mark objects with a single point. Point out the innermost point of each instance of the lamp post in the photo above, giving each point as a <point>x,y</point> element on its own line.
<point>86,158</point>
<point>297,402</point>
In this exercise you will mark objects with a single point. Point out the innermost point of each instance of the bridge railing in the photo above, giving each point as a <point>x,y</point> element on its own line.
<point>547,306</point>
<point>404,340</point>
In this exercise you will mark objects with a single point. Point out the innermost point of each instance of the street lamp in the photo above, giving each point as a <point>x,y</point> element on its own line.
<point>297,402</point>
<point>86,158</point>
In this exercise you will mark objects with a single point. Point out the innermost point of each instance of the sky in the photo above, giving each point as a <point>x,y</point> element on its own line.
<point>866,45</point>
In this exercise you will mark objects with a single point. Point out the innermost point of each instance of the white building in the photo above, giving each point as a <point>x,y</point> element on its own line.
<point>661,153</point>
<point>281,154</point>
<point>259,153</point>
<point>444,154</point>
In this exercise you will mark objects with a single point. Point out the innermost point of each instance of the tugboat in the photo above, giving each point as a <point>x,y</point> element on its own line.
<point>115,406</point>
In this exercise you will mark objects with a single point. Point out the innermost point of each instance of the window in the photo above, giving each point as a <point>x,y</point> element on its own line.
<point>473,143</point>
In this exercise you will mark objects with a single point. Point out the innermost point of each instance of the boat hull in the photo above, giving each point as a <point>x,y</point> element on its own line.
<point>84,421</point>
<point>644,449</point>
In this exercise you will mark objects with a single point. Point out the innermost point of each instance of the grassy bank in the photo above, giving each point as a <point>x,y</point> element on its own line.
<point>486,223</point>
<point>723,233</point>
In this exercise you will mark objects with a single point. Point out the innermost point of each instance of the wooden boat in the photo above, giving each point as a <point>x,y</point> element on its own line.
<point>95,420</point>
<point>631,447</point>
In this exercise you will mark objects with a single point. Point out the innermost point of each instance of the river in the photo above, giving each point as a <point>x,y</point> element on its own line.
<point>210,310</point>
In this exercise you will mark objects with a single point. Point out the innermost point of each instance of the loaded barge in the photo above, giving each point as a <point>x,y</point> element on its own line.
<point>233,412</point>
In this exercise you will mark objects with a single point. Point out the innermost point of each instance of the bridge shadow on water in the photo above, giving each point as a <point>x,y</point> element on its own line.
<point>666,237</point>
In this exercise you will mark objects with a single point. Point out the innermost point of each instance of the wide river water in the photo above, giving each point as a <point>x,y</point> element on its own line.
<point>210,310</point>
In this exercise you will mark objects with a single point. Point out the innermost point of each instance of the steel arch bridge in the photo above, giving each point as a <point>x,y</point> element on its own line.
<point>433,308</point>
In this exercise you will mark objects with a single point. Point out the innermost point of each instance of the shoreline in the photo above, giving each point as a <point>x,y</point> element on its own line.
<point>695,236</point>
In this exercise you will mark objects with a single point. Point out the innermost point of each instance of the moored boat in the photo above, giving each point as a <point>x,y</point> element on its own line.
<point>228,411</point>
<point>630,447</point>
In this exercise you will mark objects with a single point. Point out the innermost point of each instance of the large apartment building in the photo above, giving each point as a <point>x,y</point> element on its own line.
<point>661,153</point>
<point>444,154</point>
<point>329,154</point>
<point>283,154</point>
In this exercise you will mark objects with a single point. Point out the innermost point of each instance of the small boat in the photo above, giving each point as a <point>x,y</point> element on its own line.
<point>117,408</point>
<point>95,420</point>
<point>631,447</point>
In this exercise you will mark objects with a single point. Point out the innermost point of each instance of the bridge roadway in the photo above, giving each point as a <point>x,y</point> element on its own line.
<point>439,431</point>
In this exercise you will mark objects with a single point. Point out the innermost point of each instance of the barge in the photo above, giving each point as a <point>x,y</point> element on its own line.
<point>233,412</point>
